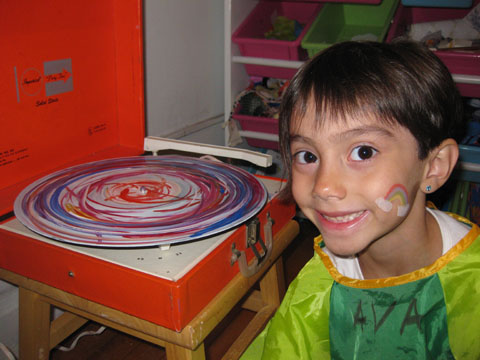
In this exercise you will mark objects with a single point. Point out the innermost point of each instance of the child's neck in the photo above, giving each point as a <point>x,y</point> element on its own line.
<point>412,250</point>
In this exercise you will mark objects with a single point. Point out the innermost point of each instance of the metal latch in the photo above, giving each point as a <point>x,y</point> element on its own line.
<point>252,238</point>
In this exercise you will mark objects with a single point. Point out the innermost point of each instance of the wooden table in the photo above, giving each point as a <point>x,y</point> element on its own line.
<point>39,335</point>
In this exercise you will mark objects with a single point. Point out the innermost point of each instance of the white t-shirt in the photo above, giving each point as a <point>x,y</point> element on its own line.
<point>452,232</point>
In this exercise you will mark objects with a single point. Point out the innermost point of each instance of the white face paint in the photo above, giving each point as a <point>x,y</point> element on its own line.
<point>402,210</point>
<point>383,204</point>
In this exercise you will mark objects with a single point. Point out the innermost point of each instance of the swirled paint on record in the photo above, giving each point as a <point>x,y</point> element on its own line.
<point>140,201</point>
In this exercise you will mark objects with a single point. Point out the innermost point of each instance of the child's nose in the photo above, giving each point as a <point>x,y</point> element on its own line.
<point>329,183</point>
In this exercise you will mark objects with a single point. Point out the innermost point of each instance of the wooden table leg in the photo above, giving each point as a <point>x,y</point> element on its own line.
<point>34,326</point>
<point>272,285</point>
<point>175,352</point>
<point>272,290</point>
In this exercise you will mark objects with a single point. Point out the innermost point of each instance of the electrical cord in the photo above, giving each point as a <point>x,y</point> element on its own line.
<point>4,349</point>
<point>85,333</point>
<point>7,352</point>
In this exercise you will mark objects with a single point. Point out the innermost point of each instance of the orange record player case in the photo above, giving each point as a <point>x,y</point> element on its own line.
<point>72,92</point>
<point>72,87</point>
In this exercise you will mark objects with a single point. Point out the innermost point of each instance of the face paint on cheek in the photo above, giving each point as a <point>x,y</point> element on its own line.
<point>396,193</point>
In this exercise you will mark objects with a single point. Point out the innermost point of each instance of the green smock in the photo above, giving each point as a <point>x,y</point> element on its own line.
<point>431,313</point>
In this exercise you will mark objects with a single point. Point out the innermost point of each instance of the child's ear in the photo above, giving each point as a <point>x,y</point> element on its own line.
<point>440,163</point>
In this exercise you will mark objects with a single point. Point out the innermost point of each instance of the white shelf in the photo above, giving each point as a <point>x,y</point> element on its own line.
<point>466,79</point>
<point>458,78</point>
<point>236,78</point>
<point>268,62</point>
<point>259,135</point>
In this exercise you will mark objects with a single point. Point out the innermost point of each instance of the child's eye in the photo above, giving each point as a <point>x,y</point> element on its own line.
<point>305,157</point>
<point>363,152</point>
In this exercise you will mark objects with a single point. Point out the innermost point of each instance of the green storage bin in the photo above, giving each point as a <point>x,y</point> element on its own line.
<point>339,22</point>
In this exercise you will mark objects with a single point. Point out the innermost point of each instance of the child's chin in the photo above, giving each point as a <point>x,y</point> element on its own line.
<point>346,253</point>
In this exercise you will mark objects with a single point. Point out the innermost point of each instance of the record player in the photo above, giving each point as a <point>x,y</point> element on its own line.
<point>75,97</point>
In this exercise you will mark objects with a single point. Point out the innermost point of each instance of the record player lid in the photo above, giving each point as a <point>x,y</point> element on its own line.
<point>72,89</point>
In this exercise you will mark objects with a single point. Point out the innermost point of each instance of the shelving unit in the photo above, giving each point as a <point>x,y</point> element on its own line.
<point>237,79</point>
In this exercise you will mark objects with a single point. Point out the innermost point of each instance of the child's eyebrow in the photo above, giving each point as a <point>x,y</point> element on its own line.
<point>300,138</point>
<point>363,130</point>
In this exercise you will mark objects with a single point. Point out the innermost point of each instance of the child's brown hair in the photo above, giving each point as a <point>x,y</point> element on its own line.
<point>400,83</point>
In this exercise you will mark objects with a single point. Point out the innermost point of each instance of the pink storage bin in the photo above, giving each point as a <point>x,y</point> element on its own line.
<point>250,35</point>
<point>260,124</point>
<point>345,1</point>
<point>462,62</point>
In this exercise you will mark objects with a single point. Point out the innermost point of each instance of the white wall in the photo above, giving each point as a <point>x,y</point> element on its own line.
<point>184,67</point>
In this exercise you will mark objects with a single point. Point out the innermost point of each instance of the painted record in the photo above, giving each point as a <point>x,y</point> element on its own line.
<point>140,201</point>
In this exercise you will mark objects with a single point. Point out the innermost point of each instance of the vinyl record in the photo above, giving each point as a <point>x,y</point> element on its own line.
<point>140,201</point>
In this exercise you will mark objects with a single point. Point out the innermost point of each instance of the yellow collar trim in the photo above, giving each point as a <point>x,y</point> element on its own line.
<point>402,279</point>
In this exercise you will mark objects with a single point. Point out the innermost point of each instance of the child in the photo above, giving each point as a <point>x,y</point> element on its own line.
<point>367,131</point>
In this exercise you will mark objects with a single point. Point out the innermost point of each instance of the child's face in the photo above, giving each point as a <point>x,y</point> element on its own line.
<point>356,180</point>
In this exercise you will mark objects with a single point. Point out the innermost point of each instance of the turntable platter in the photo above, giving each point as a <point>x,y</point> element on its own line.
<point>140,201</point>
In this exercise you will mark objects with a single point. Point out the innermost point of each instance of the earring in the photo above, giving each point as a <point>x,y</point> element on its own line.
<point>428,188</point>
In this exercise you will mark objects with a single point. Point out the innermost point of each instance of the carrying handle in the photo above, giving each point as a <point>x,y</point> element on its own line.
<point>252,237</point>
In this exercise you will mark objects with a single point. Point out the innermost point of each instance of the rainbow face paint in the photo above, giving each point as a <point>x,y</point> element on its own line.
<point>398,194</point>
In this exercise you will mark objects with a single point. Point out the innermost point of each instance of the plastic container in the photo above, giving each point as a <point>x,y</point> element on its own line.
<point>342,22</point>
<point>470,154</point>
<point>459,62</point>
<point>462,196</point>
<point>439,3</point>
<point>251,41</point>
<point>258,124</point>
<point>348,1</point>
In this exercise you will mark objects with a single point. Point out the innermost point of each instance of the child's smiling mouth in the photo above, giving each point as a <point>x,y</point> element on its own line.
<point>343,218</point>
<point>341,221</point>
